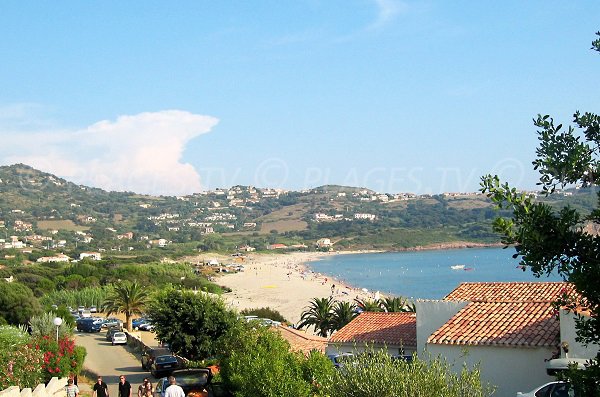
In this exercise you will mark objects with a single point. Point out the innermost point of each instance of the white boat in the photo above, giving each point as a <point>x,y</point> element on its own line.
<point>457,267</point>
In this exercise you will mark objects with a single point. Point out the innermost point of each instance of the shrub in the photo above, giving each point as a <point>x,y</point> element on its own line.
<point>60,359</point>
<point>20,361</point>
<point>264,312</point>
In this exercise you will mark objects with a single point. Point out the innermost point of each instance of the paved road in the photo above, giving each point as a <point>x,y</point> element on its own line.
<point>111,361</point>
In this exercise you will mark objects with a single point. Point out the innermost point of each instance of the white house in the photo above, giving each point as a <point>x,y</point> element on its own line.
<point>324,243</point>
<point>96,256</point>
<point>510,329</point>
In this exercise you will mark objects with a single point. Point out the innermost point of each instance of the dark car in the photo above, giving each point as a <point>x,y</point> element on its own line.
<point>149,355</point>
<point>88,325</point>
<point>164,365</point>
<point>195,381</point>
<point>111,331</point>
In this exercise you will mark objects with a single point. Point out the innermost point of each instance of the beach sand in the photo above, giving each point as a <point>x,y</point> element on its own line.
<point>283,283</point>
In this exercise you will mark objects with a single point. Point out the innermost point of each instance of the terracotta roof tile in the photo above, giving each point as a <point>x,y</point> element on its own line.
<point>510,292</point>
<point>301,341</point>
<point>373,327</point>
<point>530,324</point>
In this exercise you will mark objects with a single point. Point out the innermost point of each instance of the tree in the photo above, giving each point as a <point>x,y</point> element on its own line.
<point>17,303</point>
<point>21,361</point>
<point>262,365</point>
<point>342,314</point>
<point>396,304</point>
<point>549,240</point>
<point>319,315</point>
<point>127,298</point>
<point>194,325</point>
<point>367,305</point>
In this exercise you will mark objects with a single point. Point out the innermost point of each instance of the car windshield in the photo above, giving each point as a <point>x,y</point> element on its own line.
<point>189,381</point>
<point>119,334</point>
<point>165,359</point>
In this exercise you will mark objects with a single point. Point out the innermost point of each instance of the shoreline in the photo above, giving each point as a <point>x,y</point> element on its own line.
<point>285,281</point>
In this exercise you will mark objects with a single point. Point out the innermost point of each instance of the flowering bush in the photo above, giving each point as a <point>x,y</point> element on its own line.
<point>59,359</point>
<point>20,361</point>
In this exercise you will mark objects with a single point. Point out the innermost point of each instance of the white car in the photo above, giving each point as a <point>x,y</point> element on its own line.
<point>119,338</point>
<point>552,389</point>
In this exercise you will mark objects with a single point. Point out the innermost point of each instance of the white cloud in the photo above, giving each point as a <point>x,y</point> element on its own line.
<point>140,153</point>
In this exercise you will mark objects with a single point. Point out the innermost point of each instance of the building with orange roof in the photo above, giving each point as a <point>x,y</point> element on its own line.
<point>396,332</point>
<point>510,328</point>
<point>302,341</point>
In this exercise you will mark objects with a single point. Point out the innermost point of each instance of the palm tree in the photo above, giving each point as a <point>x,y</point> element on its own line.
<point>343,313</point>
<point>397,304</point>
<point>319,315</point>
<point>127,298</point>
<point>367,305</point>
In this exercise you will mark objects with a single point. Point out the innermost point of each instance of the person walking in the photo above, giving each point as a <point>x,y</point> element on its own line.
<point>71,389</point>
<point>145,388</point>
<point>124,387</point>
<point>174,390</point>
<point>100,388</point>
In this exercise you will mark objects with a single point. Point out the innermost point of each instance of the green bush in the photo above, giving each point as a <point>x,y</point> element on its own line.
<point>264,312</point>
<point>21,362</point>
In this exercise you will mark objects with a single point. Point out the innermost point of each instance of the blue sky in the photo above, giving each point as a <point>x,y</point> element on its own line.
<point>397,96</point>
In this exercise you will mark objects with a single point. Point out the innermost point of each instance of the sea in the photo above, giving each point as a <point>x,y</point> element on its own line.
<point>430,274</point>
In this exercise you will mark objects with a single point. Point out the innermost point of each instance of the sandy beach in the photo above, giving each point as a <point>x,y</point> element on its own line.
<point>282,282</point>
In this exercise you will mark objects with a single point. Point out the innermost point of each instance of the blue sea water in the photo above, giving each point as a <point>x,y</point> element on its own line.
<point>424,274</point>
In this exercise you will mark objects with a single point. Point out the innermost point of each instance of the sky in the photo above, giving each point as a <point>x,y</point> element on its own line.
<point>172,98</point>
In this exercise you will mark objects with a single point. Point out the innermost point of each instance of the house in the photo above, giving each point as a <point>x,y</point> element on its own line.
<point>276,246</point>
<point>301,341</point>
<point>246,248</point>
<point>396,332</point>
<point>324,243</point>
<point>96,256</point>
<point>511,329</point>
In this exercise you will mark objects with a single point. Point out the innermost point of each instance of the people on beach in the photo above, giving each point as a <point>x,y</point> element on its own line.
<point>100,388</point>
<point>145,388</point>
<point>174,390</point>
<point>124,387</point>
<point>71,389</point>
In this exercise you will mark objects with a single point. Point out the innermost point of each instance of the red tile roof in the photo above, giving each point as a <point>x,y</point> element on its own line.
<point>372,327</point>
<point>530,324</point>
<point>301,341</point>
<point>510,292</point>
<point>504,314</point>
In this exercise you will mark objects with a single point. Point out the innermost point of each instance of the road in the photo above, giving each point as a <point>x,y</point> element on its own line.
<point>111,361</point>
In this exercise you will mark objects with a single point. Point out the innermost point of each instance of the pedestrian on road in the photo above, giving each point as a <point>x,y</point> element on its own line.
<point>174,390</point>
<point>124,387</point>
<point>145,388</point>
<point>100,388</point>
<point>71,389</point>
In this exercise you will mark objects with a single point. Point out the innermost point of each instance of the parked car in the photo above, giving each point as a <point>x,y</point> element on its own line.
<point>87,325</point>
<point>164,365</point>
<point>339,359</point>
<point>147,326</point>
<point>136,322</point>
<point>149,355</point>
<point>112,322</point>
<point>552,389</point>
<point>110,332</point>
<point>93,309</point>
<point>195,381</point>
<point>119,338</point>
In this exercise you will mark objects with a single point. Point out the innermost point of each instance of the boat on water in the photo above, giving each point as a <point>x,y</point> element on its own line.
<point>457,267</point>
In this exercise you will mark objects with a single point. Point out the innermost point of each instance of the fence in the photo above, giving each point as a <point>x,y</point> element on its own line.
<point>54,388</point>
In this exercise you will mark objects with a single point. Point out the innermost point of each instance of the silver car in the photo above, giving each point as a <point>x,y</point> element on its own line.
<point>552,389</point>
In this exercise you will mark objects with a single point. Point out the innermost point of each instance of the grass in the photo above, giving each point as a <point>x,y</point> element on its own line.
<point>66,224</point>
<point>285,220</point>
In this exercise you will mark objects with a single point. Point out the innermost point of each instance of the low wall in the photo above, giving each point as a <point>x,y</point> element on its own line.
<point>54,388</point>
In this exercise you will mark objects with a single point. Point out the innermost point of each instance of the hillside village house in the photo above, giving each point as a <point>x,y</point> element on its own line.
<point>96,256</point>
<point>324,243</point>
<point>510,329</point>
<point>56,258</point>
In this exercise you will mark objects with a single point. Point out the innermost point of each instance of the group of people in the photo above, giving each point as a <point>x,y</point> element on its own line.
<point>146,389</point>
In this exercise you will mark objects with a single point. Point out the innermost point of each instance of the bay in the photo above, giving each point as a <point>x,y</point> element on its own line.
<point>424,274</point>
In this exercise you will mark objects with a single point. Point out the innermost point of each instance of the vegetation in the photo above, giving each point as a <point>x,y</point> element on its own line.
<point>264,312</point>
<point>378,374</point>
<point>195,325</point>
<point>127,298</point>
<point>552,239</point>
<point>17,303</point>
<point>326,315</point>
